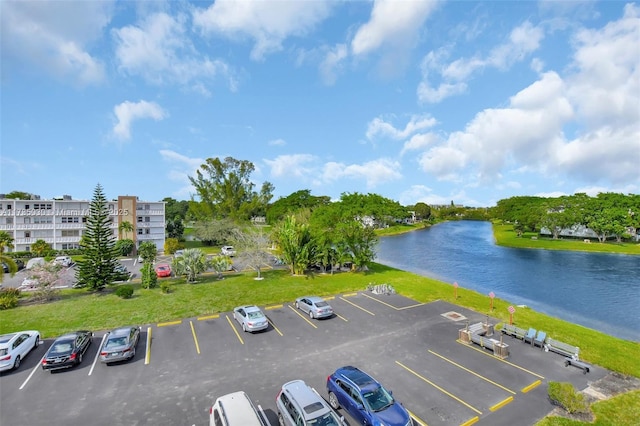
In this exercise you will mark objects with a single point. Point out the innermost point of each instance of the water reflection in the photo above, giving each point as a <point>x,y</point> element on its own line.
<point>600,291</point>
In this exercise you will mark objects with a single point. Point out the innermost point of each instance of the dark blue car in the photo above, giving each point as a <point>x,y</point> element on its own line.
<point>366,400</point>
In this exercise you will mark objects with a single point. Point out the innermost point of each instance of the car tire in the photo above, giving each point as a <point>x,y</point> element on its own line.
<point>16,363</point>
<point>297,306</point>
<point>310,314</point>
<point>35,345</point>
<point>79,357</point>
<point>333,401</point>
<point>244,328</point>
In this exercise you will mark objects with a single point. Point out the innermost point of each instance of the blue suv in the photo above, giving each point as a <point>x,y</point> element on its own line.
<point>366,400</point>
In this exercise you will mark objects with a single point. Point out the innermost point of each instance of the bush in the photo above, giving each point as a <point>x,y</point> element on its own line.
<point>171,245</point>
<point>9,299</point>
<point>166,287</point>
<point>124,291</point>
<point>565,395</point>
<point>149,278</point>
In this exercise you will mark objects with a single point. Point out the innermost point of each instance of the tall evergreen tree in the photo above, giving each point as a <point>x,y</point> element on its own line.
<point>97,269</point>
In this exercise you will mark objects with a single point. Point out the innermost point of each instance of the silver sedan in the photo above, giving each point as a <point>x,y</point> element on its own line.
<point>250,318</point>
<point>315,306</point>
<point>120,345</point>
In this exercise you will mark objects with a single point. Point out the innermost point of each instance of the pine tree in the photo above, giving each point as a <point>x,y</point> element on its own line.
<point>97,269</point>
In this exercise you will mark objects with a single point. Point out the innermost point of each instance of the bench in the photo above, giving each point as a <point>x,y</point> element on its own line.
<point>476,328</point>
<point>483,341</point>
<point>514,331</point>
<point>579,364</point>
<point>562,348</point>
<point>539,339</point>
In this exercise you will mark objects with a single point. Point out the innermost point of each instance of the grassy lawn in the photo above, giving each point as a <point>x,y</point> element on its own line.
<point>506,236</point>
<point>620,410</point>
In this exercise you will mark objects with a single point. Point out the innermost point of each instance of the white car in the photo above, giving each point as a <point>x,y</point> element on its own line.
<point>15,346</point>
<point>250,318</point>
<point>228,251</point>
<point>63,261</point>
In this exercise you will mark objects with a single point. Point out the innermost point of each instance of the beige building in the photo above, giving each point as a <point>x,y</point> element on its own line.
<point>62,221</point>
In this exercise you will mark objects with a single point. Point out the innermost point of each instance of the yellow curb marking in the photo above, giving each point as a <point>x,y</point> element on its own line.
<point>531,386</point>
<point>501,404</point>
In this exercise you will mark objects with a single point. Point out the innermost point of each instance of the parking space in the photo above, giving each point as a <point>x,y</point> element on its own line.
<point>411,348</point>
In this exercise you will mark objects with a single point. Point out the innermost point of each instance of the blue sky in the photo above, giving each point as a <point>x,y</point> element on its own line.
<point>462,101</point>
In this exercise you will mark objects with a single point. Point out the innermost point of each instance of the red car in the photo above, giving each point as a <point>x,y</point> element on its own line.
<point>163,270</point>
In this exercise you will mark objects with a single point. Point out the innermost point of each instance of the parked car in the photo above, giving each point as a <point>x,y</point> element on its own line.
<point>250,318</point>
<point>121,272</point>
<point>15,346</point>
<point>300,404</point>
<point>28,284</point>
<point>315,306</point>
<point>67,351</point>
<point>178,253</point>
<point>228,251</point>
<point>163,270</point>
<point>364,398</point>
<point>65,261</point>
<point>120,344</point>
<point>234,409</point>
<point>19,264</point>
<point>36,261</point>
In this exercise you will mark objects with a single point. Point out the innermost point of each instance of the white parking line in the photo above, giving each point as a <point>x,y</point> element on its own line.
<point>97,354</point>
<point>33,371</point>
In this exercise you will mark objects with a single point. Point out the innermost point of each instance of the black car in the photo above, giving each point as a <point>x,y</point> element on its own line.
<point>67,350</point>
<point>19,264</point>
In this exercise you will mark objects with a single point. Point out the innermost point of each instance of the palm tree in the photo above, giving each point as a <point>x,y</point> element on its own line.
<point>192,263</point>
<point>125,227</point>
<point>6,241</point>
<point>11,265</point>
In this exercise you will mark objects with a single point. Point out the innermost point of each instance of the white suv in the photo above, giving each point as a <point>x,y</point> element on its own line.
<point>228,251</point>
<point>63,261</point>
<point>234,409</point>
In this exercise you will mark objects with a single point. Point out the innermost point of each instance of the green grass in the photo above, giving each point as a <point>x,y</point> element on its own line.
<point>399,229</point>
<point>506,236</point>
<point>621,410</point>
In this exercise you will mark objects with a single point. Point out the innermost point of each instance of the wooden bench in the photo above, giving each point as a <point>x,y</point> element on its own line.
<point>579,364</point>
<point>513,331</point>
<point>483,341</point>
<point>562,348</point>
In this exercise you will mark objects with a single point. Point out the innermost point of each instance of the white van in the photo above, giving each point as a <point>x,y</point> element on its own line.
<point>234,409</point>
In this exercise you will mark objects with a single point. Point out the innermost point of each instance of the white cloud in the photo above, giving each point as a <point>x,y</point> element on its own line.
<point>379,127</point>
<point>181,168</point>
<point>159,49</point>
<point>332,63</point>
<point>54,37</point>
<point>268,24</point>
<point>127,112</point>
<point>523,40</point>
<point>277,142</point>
<point>393,23</point>
<point>295,165</point>
<point>373,172</point>
<point>420,142</point>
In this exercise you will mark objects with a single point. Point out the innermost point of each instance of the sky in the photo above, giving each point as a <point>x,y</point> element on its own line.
<point>417,101</point>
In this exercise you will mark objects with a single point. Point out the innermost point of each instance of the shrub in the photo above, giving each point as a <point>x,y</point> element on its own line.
<point>124,291</point>
<point>166,287</point>
<point>171,245</point>
<point>8,299</point>
<point>149,278</point>
<point>565,395</point>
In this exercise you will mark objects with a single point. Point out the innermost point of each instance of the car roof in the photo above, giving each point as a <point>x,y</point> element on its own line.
<point>310,401</point>
<point>357,376</point>
<point>122,331</point>
<point>249,308</point>
<point>315,298</point>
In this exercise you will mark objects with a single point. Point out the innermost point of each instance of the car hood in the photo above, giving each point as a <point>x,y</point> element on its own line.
<point>394,415</point>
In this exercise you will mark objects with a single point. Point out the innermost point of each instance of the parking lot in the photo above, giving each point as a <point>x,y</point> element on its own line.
<point>181,367</point>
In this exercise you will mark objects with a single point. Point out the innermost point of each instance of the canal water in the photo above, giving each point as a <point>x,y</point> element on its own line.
<point>599,291</point>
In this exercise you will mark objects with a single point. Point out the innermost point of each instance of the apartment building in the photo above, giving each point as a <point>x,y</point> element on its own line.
<point>62,221</point>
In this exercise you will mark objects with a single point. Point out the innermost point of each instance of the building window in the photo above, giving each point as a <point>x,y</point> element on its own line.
<point>27,220</point>
<point>70,246</point>
<point>8,206</point>
<point>139,219</point>
<point>66,219</point>
<point>27,234</point>
<point>84,219</point>
<point>139,231</point>
<point>27,248</point>
<point>42,219</point>
<point>147,219</point>
<point>9,221</point>
<point>26,206</point>
<point>70,233</point>
<point>147,231</point>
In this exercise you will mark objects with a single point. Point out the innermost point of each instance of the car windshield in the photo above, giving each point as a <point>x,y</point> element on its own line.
<point>378,399</point>
<point>115,342</point>
<point>329,419</point>
<point>254,315</point>
<point>321,304</point>
<point>61,348</point>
